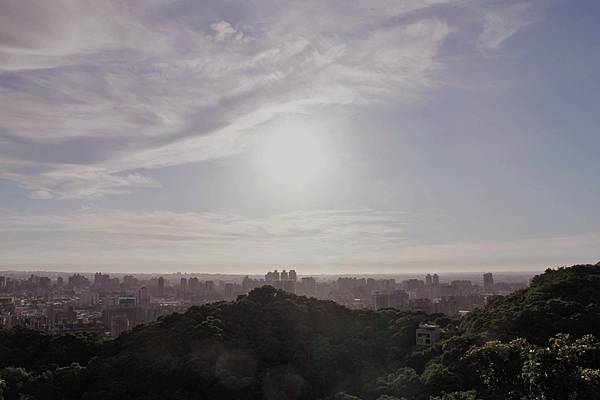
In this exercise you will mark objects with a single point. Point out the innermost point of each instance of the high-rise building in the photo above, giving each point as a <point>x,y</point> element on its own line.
<point>130,281</point>
<point>78,281</point>
<point>143,296</point>
<point>248,284</point>
<point>284,280</point>
<point>183,285</point>
<point>289,286</point>
<point>275,276</point>
<point>161,286</point>
<point>292,275</point>
<point>435,288</point>
<point>428,280</point>
<point>272,276</point>
<point>193,284</point>
<point>379,299</point>
<point>229,291</point>
<point>44,282</point>
<point>408,284</point>
<point>101,279</point>
<point>488,282</point>
<point>309,286</point>
<point>389,299</point>
<point>118,325</point>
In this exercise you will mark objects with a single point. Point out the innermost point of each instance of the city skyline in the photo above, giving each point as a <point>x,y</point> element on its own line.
<point>231,137</point>
<point>110,305</point>
<point>255,274</point>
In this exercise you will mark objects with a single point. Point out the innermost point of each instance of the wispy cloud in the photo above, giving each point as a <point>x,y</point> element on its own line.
<point>337,239</point>
<point>198,238</point>
<point>95,90</point>
<point>502,22</point>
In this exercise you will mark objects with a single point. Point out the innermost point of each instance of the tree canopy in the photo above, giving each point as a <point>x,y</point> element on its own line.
<point>539,343</point>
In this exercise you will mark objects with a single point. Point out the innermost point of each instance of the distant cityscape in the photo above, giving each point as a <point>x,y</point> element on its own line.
<point>110,305</point>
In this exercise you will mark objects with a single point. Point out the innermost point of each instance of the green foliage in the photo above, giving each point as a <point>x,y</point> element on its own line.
<point>275,345</point>
<point>565,300</point>
<point>345,396</point>
<point>34,350</point>
<point>268,344</point>
<point>499,365</point>
<point>405,382</point>
<point>567,369</point>
<point>14,380</point>
<point>420,357</point>
<point>438,378</point>
<point>468,395</point>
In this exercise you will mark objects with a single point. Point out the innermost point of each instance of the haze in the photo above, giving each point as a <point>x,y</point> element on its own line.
<point>334,137</point>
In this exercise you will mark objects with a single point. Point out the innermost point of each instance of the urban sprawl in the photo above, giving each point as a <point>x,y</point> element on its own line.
<point>108,305</point>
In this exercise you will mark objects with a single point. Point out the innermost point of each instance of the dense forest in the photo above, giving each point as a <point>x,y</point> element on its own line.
<point>539,343</point>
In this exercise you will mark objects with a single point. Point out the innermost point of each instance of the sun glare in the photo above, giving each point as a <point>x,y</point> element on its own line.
<point>295,161</point>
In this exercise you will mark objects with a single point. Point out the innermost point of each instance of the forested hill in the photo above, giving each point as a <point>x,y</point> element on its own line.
<point>274,345</point>
<point>564,300</point>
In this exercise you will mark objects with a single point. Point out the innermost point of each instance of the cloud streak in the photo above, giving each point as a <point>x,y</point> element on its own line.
<point>502,23</point>
<point>347,240</point>
<point>97,92</point>
<point>198,238</point>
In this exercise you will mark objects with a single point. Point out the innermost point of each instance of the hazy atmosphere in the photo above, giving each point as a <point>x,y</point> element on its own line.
<point>299,200</point>
<point>364,136</point>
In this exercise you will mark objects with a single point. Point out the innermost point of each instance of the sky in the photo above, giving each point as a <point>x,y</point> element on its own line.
<point>365,136</point>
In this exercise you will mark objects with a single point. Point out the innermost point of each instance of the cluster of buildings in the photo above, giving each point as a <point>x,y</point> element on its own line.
<point>110,305</point>
<point>430,295</point>
<point>284,280</point>
<point>101,303</point>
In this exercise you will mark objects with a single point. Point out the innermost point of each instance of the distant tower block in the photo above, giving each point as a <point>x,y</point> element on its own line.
<point>428,280</point>
<point>436,280</point>
<point>292,275</point>
<point>161,286</point>
<point>488,283</point>
<point>143,296</point>
<point>183,285</point>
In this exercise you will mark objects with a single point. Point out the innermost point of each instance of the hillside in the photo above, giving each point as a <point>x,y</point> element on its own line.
<point>565,300</point>
<point>274,345</point>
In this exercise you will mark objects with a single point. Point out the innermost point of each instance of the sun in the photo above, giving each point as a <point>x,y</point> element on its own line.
<point>295,160</point>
